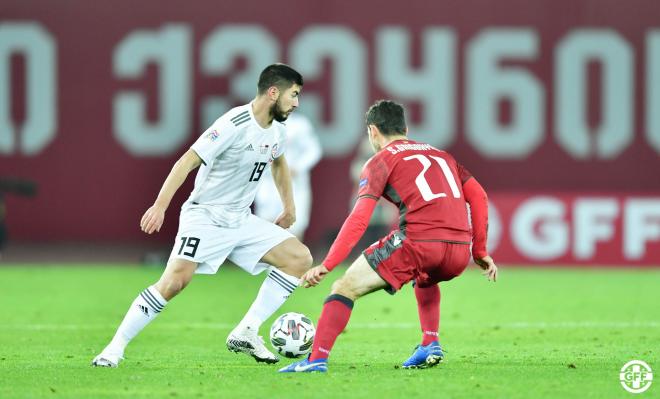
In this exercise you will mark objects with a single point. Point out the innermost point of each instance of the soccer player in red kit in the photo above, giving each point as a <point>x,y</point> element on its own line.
<point>431,245</point>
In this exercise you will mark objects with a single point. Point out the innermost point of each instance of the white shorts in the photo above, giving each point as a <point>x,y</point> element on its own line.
<point>199,240</point>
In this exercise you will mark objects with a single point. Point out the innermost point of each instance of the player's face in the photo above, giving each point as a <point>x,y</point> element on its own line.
<point>286,103</point>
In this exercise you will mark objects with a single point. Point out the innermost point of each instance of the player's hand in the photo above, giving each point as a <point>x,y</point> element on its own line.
<point>152,220</point>
<point>489,267</point>
<point>286,219</point>
<point>313,276</point>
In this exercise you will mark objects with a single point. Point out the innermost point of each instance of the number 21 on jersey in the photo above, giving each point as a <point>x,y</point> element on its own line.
<point>423,184</point>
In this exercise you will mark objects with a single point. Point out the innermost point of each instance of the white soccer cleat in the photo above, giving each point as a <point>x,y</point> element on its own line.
<point>250,343</point>
<point>107,359</point>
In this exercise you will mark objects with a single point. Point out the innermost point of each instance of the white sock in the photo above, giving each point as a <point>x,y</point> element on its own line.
<point>143,310</point>
<point>275,289</point>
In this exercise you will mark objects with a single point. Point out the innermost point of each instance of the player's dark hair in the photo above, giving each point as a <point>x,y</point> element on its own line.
<point>388,117</point>
<point>279,75</point>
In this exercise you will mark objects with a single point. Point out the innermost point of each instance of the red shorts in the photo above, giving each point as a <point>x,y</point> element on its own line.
<point>398,260</point>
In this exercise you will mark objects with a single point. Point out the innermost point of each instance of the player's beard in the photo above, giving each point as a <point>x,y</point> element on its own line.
<point>277,112</point>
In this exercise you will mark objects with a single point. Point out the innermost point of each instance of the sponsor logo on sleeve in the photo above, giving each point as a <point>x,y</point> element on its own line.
<point>363,182</point>
<point>212,135</point>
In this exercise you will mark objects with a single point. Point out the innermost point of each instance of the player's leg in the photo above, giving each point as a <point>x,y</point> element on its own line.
<point>175,278</point>
<point>290,256</point>
<point>429,352</point>
<point>387,264</point>
<point>286,259</point>
<point>427,293</point>
<point>359,280</point>
<point>445,262</point>
<point>145,308</point>
<point>428,308</point>
<point>290,260</point>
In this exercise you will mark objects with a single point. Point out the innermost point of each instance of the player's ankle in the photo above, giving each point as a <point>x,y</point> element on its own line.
<point>117,345</point>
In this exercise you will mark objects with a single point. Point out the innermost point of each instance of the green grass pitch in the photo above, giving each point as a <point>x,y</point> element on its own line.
<point>536,333</point>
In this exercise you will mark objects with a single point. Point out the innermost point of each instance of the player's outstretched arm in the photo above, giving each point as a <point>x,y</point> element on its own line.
<point>153,218</point>
<point>282,178</point>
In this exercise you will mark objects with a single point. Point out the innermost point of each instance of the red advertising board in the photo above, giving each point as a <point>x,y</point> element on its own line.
<point>98,99</point>
<point>563,228</point>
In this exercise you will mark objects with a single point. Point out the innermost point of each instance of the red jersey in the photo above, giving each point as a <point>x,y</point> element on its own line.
<point>426,184</point>
<point>429,187</point>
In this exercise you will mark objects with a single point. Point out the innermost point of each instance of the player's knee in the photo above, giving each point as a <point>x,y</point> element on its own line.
<point>171,286</point>
<point>302,261</point>
<point>306,259</point>
<point>344,287</point>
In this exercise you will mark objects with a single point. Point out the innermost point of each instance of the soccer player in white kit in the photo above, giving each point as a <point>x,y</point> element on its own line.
<point>303,153</point>
<point>216,223</point>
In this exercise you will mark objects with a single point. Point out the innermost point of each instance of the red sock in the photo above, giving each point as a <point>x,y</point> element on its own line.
<point>334,317</point>
<point>428,307</point>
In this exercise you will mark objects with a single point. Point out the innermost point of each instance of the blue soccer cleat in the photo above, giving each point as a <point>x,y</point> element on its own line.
<point>306,366</point>
<point>425,356</point>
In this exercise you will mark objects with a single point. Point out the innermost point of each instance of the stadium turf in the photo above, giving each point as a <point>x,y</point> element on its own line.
<point>555,333</point>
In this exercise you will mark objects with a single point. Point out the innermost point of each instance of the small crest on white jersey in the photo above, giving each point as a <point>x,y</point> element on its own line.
<point>213,135</point>
<point>273,152</point>
<point>263,148</point>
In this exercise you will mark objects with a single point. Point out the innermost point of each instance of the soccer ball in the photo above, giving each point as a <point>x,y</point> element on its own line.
<point>292,334</point>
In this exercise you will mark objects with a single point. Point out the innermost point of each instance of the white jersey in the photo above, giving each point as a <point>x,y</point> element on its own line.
<point>235,152</point>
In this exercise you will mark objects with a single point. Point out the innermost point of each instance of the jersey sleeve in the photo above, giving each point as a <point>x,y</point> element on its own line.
<point>373,178</point>
<point>475,195</point>
<point>215,140</point>
<point>351,231</point>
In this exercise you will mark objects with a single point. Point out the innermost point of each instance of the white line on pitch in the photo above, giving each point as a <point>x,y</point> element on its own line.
<point>383,325</point>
